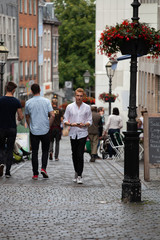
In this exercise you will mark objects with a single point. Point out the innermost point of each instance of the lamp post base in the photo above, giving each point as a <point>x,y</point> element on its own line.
<point>131,191</point>
<point>131,186</point>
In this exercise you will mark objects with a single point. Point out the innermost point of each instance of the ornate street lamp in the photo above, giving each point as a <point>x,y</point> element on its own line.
<point>131,186</point>
<point>110,70</point>
<point>3,59</point>
<point>86,77</point>
<point>21,91</point>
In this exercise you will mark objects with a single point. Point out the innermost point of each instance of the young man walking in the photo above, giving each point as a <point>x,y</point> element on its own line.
<point>9,106</point>
<point>79,117</point>
<point>39,115</point>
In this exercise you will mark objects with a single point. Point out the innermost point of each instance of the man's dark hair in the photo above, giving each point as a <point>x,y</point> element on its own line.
<point>11,86</point>
<point>115,111</point>
<point>35,88</point>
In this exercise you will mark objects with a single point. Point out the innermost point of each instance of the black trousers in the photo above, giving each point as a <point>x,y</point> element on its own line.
<point>78,146</point>
<point>35,140</point>
<point>7,139</point>
<point>55,135</point>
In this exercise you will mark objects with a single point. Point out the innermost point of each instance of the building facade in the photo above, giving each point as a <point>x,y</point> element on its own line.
<point>148,88</point>
<point>9,35</point>
<point>149,73</point>
<point>28,45</point>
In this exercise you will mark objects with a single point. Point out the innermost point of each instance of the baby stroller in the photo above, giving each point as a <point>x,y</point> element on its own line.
<point>104,146</point>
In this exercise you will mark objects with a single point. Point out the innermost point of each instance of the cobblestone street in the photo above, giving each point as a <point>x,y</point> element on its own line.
<point>58,209</point>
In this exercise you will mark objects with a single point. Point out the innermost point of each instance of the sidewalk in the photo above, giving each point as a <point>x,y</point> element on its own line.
<point>58,209</point>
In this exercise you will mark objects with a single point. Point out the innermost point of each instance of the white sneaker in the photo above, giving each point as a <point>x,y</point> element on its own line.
<point>75,180</point>
<point>79,180</point>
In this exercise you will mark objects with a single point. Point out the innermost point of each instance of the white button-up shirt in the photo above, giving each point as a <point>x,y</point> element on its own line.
<point>75,114</point>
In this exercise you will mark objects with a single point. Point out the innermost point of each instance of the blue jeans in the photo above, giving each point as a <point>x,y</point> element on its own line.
<point>35,140</point>
<point>77,146</point>
<point>7,139</point>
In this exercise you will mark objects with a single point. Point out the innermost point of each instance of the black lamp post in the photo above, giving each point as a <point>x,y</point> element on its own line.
<point>86,77</point>
<point>3,59</point>
<point>110,69</point>
<point>131,186</point>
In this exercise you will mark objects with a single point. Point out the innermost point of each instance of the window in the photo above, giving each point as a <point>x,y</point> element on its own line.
<point>34,38</point>
<point>26,37</point>
<point>30,37</point>
<point>9,26</point>
<point>25,6</point>
<point>45,70</point>
<point>10,45</point>
<point>30,69</point>
<point>15,46</point>
<point>21,37</point>
<point>21,70</point>
<point>35,68</point>
<point>14,26</point>
<point>34,7</point>
<point>26,70</point>
<point>30,6</point>
<point>20,6</point>
<point>55,47</point>
<point>45,40</point>
<point>52,12</point>
<point>49,70</point>
<point>4,25</point>
<point>49,40</point>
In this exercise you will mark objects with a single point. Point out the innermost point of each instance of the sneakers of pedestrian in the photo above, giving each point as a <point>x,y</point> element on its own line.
<point>35,177</point>
<point>56,159</point>
<point>7,175</point>
<point>44,173</point>
<point>1,169</point>
<point>79,180</point>
<point>51,156</point>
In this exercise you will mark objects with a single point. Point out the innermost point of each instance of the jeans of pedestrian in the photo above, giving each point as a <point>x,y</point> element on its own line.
<point>35,141</point>
<point>77,146</point>
<point>7,140</point>
<point>111,132</point>
<point>55,135</point>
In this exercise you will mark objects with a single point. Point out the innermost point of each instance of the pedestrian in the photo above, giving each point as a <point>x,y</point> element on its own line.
<point>79,117</point>
<point>39,116</point>
<point>93,132</point>
<point>113,125</point>
<point>55,130</point>
<point>9,106</point>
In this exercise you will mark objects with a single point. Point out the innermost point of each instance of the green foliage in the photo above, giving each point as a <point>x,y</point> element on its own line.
<point>76,40</point>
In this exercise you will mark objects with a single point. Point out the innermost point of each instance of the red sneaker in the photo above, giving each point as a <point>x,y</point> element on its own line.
<point>35,177</point>
<point>44,173</point>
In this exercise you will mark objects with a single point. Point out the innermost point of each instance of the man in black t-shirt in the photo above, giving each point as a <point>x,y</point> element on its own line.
<point>9,106</point>
<point>55,130</point>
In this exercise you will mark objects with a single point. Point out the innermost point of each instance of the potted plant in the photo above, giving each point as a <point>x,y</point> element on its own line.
<point>129,38</point>
<point>89,100</point>
<point>107,97</point>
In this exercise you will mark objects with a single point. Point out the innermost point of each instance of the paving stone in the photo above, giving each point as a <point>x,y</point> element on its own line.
<point>56,208</point>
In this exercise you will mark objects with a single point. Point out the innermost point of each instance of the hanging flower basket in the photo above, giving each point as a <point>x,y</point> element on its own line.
<point>89,100</point>
<point>106,97</point>
<point>109,99</point>
<point>134,46</point>
<point>129,38</point>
